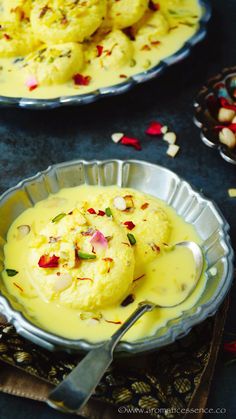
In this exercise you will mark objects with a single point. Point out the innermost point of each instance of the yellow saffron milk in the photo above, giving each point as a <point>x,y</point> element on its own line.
<point>80,261</point>
<point>70,65</point>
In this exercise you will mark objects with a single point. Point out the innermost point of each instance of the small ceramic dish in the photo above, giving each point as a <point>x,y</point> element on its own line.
<point>207,105</point>
<point>149,178</point>
<point>120,88</point>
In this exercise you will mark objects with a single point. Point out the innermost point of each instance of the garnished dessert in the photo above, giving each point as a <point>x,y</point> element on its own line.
<point>51,48</point>
<point>80,261</point>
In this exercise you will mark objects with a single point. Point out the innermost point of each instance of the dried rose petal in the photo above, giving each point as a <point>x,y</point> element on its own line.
<point>154,128</point>
<point>101,213</point>
<point>98,241</point>
<point>232,127</point>
<point>129,224</point>
<point>230,347</point>
<point>48,261</point>
<point>99,50</point>
<point>225,104</point>
<point>132,142</point>
<point>91,211</point>
<point>81,80</point>
<point>31,83</point>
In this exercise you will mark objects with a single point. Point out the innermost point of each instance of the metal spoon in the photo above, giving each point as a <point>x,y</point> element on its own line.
<point>73,393</point>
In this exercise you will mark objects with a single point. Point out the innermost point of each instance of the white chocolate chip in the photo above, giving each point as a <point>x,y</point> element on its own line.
<point>172,150</point>
<point>117,136</point>
<point>164,129</point>
<point>170,137</point>
<point>225,115</point>
<point>227,137</point>
<point>119,203</point>
<point>232,192</point>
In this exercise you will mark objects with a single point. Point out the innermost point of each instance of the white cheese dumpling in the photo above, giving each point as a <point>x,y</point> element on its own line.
<point>17,39</point>
<point>145,220</point>
<point>15,10</point>
<point>53,64</point>
<point>176,9</point>
<point>124,13</point>
<point>150,28</point>
<point>95,263</point>
<point>59,21</point>
<point>116,50</point>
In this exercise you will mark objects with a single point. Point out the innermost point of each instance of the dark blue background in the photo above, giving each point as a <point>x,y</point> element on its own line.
<point>32,140</point>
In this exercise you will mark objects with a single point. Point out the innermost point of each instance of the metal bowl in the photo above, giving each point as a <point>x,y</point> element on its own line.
<point>207,104</point>
<point>121,87</point>
<point>146,177</point>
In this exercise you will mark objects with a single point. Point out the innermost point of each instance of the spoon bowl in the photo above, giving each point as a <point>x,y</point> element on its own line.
<point>73,393</point>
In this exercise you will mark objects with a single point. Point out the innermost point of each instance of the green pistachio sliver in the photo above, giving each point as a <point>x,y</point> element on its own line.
<point>11,272</point>
<point>86,256</point>
<point>58,217</point>
<point>108,212</point>
<point>131,238</point>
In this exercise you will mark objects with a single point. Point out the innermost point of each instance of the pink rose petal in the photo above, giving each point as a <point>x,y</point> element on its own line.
<point>31,83</point>
<point>98,241</point>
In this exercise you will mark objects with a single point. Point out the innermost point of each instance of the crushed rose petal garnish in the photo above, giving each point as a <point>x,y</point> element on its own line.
<point>31,83</point>
<point>232,127</point>
<point>129,224</point>
<point>230,347</point>
<point>98,241</point>
<point>48,261</point>
<point>154,128</point>
<point>225,104</point>
<point>99,50</point>
<point>132,142</point>
<point>91,211</point>
<point>81,80</point>
<point>101,213</point>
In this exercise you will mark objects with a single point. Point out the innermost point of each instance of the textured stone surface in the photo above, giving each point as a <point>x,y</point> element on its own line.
<point>31,140</point>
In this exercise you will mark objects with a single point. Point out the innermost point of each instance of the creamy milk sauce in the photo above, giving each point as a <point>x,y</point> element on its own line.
<point>145,56</point>
<point>166,281</point>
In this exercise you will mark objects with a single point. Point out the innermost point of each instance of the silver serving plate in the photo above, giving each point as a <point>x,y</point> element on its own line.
<point>152,179</point>
<point>120,88</point>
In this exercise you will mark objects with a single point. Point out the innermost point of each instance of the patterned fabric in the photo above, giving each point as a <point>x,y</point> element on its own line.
<point>160,380</point>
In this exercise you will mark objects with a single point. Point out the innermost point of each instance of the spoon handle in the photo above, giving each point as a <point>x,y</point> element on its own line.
<point>73,392</point>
